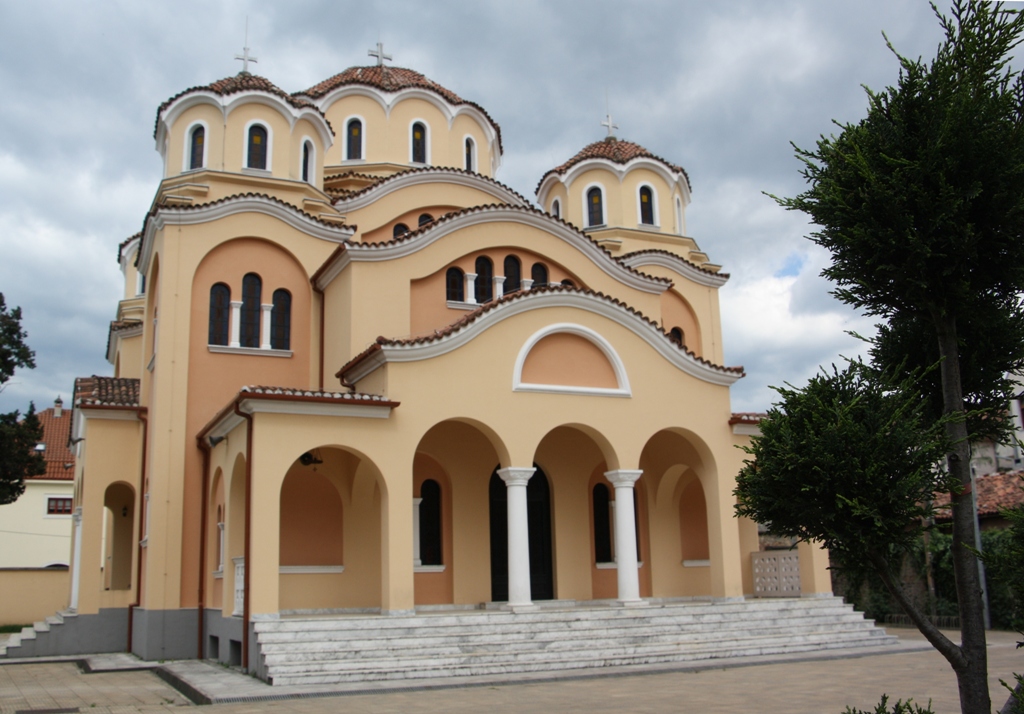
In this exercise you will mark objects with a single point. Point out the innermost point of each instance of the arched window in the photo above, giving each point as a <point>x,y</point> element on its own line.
<point>556,208</point>
<point>220,311</point>
<point>425,218</point>
<point>602,524</point>
<point>400,230</point>
<point>281,320</point>
<point>354,139</point>
<point>484,279</point>
<point>513,274</point>
<point>430,524</point>
<point>198,145</point>
<point>595,207</point>
<point>307,161</point>
<point>568,283</point>
<point>455,285</point>
<point>676,335</point>
<point>539,273</point>
<point>249,334</point>
<point>257,154</point>
<point>419,143</point>
<point>646,206</point>
<point>469,154</point>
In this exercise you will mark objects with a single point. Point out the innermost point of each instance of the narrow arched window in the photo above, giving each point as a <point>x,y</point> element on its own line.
<point>676,335</point>
<point>484,279</point>
<point>281,321</point>
<point>419,143</point>
<point>425,218</point>
<point>431,552</point>
<point>249,334</point>
<point>602,524</point>
<point>257,156</point>
<point>469,154</point>
<point>568,283</point>
<point>455,285</point>
<point>198,144</point>
<point>513,274</point>
<point>307,161</point>
<point>646,206</point>
<point>354,139</point>
<point>595,207</point>
<point>220,311</point>
<point>539,273</point>
<point>400,230</point>
<point>556,208</point>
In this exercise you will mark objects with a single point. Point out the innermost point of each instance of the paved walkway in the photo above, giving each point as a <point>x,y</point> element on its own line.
<point>796,685</point>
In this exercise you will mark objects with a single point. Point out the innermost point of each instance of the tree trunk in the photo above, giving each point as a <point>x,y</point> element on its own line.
<point>973,677</point>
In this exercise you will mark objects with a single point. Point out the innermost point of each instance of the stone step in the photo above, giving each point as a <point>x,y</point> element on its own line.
<point>392,670</point>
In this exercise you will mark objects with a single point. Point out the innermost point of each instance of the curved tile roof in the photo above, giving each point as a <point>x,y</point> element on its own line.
<point>421,170</point>
<point>676,256</point>
<point>391,79</point>
<point>106,391</point>
<point>614,150</point>
<point>241,82</point>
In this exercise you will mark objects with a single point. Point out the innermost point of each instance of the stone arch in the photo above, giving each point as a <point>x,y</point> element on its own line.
<point>216,538</point>
<point>119,504</point>
<point>570,358</point>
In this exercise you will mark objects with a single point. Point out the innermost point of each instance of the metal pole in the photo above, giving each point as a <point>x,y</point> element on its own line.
<point>977,546</point>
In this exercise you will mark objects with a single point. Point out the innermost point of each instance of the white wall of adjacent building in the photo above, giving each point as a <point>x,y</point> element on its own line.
<point>30,536</point>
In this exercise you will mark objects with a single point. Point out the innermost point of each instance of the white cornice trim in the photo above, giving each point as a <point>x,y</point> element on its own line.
<point>228,103</point>
<point>746,429</point>
<point>646,331</point>
<point>254,351</point>
<point>677,264</point>
<point>310,569</point>
<point>595,338</point>
<point>619,170</point>
<point>359,252</point>
<point>303,408</point>
<point>286,213</point>
<point>431,176</point>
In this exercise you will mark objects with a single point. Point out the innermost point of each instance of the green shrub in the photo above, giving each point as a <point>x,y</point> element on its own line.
<point>900,707</point>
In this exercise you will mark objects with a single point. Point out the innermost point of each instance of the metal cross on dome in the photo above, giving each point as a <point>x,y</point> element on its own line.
<point>379,54</point>
<point>609,124</point>
<point>246,59</point>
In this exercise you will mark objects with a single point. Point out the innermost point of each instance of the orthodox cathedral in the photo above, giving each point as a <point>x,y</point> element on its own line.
<point>355,376</point>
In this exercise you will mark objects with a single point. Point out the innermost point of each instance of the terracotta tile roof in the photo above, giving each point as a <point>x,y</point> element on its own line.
<point>473,316</point>
<point>120,326</point>
<point>106,391</point>
<point>746,418</point>
<point>289,392</point>
<point>996,491</point>
<point>60,462</point>
<point>657,251</point>
<point>241,82</point>
<point>429,170</point>
<point>391,79</point>
<point>124,244</point>
<point>614,150</point>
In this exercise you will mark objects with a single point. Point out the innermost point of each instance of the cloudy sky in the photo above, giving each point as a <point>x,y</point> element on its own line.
<point>719,87</point>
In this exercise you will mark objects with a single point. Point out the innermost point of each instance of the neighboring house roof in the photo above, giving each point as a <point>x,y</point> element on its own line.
<point>615,150</point>
<point>392,79</point>
<point>241,82</point>
<point>106,391</point>
<point>746,418</point>
<point>60,461</point>
<point>996,492</point>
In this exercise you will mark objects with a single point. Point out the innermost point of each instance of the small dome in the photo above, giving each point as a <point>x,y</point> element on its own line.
<point>616,151</point>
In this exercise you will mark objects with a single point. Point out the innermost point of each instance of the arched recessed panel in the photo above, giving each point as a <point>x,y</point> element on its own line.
<point>570,359</point>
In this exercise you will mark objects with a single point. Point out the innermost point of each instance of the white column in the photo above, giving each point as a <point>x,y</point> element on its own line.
<point>518,535</point>
<point>625,534</point>
<point>239,586</point>
<point>265,328</point>
<point>527,283</point>
<point>236,323</point>
<point>76,560</point>
<point>416,559</point>
<point>471,288</point>
<point>499,286</point>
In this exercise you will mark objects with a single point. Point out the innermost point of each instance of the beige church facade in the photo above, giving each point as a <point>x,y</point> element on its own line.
<point>352,372</point>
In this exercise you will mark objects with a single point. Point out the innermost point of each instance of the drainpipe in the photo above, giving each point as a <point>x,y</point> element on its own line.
<point>142,414</point>
<point>205,447</point>
<point>246,578</point>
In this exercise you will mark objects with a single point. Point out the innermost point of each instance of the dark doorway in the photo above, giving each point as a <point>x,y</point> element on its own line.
<point>538,514</point>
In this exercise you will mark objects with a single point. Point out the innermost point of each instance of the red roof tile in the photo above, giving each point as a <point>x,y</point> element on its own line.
<point>241,82</point>
<point>614,150</point>
<point>60,462</point>
<point>996,491</point>
<point>391,79</point>
<point>658,251</point>
<point>422,170</point>
<point>746,418</point>
<point>106,391</point>
<point>124,244</point>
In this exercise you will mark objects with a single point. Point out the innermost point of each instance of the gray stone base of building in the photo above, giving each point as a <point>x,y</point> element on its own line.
<point>73,634</point>
<point>222,639</point>
<point>165,634</point>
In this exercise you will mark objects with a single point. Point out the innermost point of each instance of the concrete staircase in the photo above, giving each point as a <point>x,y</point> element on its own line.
<point>330,650</point>
<point>24,643</point>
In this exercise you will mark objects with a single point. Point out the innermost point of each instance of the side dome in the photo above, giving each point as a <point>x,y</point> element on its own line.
<point>391,118</point>
<point>617,184</point>
<point>242,124</point>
